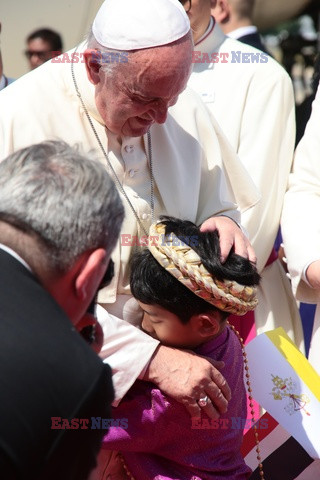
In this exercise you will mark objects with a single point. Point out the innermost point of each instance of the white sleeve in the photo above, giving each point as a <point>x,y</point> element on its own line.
<point>300,217</point>
<point>126,349</point>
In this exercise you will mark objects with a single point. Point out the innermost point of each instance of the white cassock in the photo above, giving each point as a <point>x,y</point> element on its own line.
<point>301,220</point>
<point>193,168</point>
<point>253,102</point>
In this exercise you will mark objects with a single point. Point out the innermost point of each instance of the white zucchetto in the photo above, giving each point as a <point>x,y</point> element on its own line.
<point>137,24</point>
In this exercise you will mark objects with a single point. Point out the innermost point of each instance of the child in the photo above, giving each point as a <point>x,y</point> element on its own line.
<point>186,295</point>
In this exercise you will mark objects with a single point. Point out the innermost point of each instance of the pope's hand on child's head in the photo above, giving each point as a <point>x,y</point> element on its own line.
<point>231,237</point>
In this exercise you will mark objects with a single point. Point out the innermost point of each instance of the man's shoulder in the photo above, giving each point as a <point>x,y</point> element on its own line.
<point>34,321</point>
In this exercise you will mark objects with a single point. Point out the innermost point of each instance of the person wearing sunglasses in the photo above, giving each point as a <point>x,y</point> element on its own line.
<point>42,45</point>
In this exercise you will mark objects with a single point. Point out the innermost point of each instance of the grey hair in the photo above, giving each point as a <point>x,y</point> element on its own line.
<point>67,200</point>
<point>110,58</point>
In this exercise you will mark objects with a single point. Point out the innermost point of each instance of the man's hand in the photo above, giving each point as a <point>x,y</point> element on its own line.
<point>313,274</point>
<point>231,236</point>
<point>187,377</point>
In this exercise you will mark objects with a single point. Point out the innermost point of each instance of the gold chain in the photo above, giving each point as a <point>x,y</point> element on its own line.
<point>105,154</point>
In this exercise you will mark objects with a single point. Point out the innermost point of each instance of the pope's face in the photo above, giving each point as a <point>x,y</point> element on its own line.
<point>136,94</point>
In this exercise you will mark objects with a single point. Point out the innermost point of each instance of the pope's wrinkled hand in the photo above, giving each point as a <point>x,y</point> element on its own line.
<point>188,377</point>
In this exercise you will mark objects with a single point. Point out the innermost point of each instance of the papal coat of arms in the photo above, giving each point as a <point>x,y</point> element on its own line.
<point>284,389</point>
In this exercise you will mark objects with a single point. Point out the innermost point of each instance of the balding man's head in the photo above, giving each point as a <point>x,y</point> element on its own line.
<point>233,14</point>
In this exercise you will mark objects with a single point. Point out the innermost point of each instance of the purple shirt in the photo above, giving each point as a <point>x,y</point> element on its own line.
<point>163,442</point>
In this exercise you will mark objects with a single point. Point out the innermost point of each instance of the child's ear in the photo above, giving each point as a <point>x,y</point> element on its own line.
<point>206,324</point>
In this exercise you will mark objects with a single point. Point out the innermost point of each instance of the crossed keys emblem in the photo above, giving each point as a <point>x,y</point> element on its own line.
<point>284,390</point>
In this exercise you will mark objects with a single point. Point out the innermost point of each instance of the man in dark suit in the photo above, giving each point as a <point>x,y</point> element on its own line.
<point>60,216</point>
<point>235,17</point>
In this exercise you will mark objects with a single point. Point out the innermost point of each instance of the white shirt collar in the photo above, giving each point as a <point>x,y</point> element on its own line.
<point>210,27</point>
<point>210,41</point>
<point>242,31</point>
<point>15,255</point>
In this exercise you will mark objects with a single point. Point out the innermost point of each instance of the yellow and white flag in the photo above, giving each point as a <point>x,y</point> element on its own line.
<point>287,386</point>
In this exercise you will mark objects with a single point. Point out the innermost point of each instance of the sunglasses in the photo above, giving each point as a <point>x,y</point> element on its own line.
<point>40,54</point>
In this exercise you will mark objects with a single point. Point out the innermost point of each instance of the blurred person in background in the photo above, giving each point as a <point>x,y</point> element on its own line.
<point>235,17</point>
<point>42,45</point>
<point>4,81</point>
<point>303,111</point>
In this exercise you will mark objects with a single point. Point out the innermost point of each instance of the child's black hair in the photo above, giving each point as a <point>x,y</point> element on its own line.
<point>153,285</point>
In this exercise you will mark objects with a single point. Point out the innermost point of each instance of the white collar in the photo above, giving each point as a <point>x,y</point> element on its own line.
<point>15,255</point>
<point>211,40</point>
<point>242,31</point>
<point>211,25</point>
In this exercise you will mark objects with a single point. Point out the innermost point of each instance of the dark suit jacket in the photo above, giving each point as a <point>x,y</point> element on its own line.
<point>46,370</point>
<point>254,40</point>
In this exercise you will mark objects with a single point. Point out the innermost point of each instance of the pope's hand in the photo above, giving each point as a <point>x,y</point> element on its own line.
<point>231,237</point>
<point>188,377</point>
